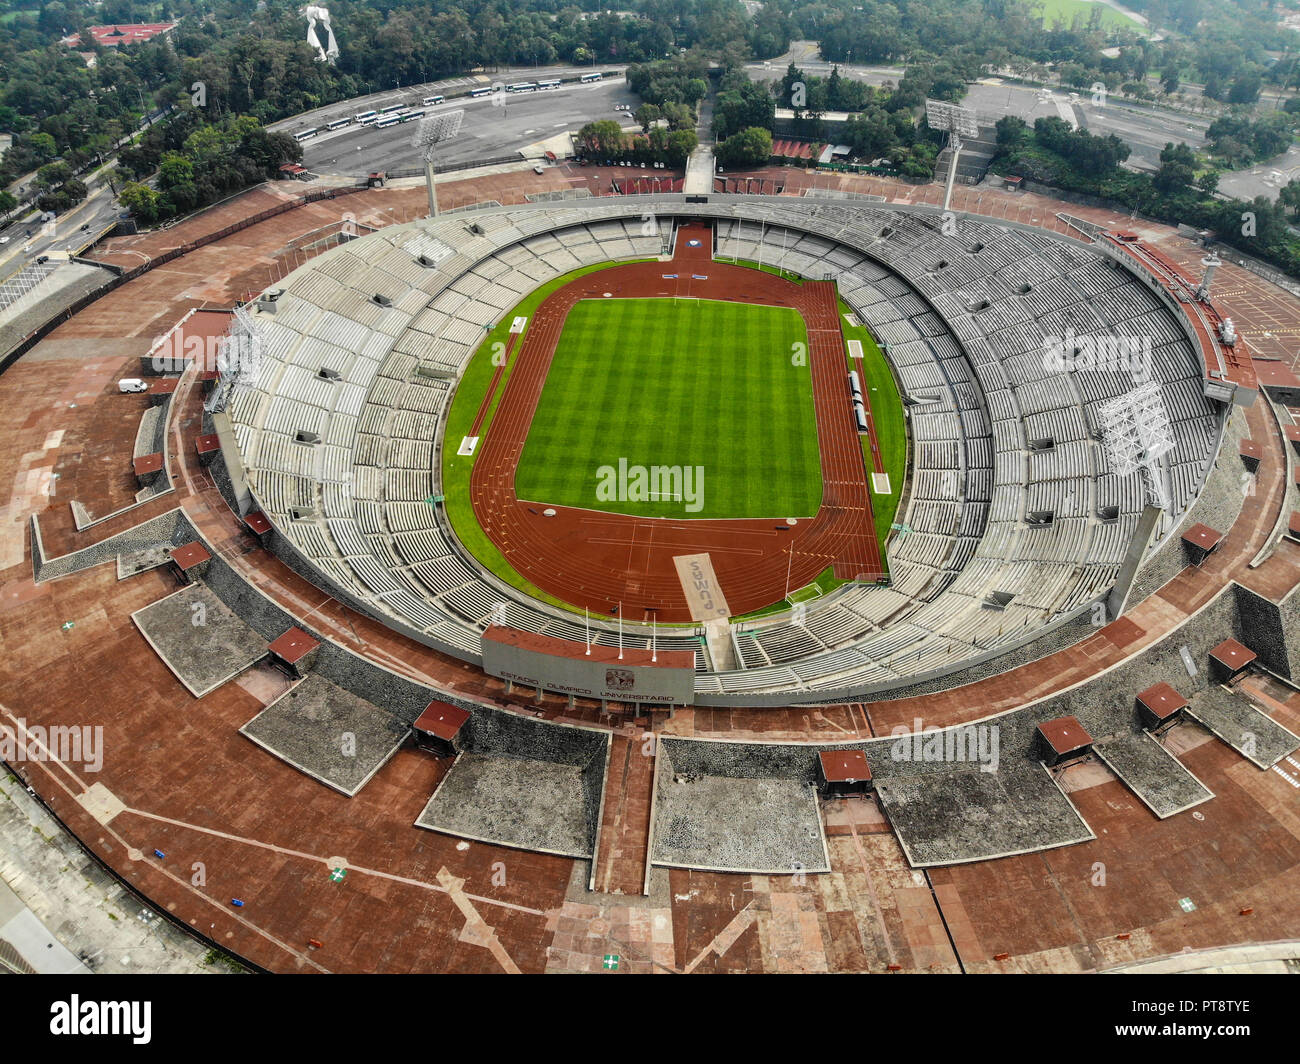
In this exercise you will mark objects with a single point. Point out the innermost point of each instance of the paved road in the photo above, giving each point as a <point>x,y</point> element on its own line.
<point>492,127</point>
<point>1264,178</point>
<point>26,240</point>
<point>1145,131</point>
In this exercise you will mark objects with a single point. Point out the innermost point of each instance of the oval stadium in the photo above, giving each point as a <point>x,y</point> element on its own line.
<point>829,580</point>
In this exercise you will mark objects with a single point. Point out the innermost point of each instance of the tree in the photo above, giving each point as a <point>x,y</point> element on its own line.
<point>1289,196</point>
<point>679,116</point>
<point>1177,168</point>
<point>1245,89</point>
<point>680,145</point>
<point>603,138</point>
<point>140,200</point>
<point>1169,81</point>
<point>1013,132</point>
<point>647,115</point>
<point>175,169</point>
<point>748,148</point>
<point>42,146</point>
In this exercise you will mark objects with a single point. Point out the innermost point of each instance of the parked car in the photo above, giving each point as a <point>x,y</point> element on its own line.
<point>132,384</point>
<point>539,169</point>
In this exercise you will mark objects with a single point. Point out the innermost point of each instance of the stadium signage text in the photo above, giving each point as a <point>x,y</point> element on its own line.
<point>619,688</point>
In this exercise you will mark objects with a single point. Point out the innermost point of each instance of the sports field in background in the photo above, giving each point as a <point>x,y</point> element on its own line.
<point>678,383</point>
<point>1067,11</point>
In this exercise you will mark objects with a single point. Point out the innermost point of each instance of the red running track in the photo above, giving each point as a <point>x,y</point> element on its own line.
<point>597,560</point>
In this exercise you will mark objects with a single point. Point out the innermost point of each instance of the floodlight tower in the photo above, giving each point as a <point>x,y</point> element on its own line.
<point>239,358</point>
<point>958,122</point>
<point>431,132</point>
<point>1135,434</point>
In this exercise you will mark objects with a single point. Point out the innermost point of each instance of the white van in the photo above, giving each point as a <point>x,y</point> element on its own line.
<point>132,384</point>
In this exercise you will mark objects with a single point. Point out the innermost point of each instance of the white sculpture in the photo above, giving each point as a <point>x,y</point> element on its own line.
<point>313,14</point>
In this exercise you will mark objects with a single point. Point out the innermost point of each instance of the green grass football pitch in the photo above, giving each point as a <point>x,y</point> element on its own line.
<point>682,384</point>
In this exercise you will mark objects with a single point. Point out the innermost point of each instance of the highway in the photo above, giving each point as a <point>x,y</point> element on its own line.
<point>493,125</point>
<point>26,239</point>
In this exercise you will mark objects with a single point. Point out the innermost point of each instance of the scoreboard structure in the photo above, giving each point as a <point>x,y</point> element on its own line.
<point>633,675</point>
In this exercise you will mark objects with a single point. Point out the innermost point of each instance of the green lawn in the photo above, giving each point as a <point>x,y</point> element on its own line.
<point>737,374</point>
<point>881,392</point>
<point>887,412</point>
<point>691,385</point>
<point>1067,11</point>
<point>456,469</point>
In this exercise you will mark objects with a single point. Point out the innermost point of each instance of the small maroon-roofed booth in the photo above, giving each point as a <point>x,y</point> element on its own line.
<point>841,773</point>
<point>1063,739</point>
<point>1292,433</point>
<point>207,447</point>
<point>377,179</point>
<point>1200,540</point>
<point>294,651</point>
<point>1229,658</point>
<point>1250,452</point>
<point>437,727</point>
<point>257,523</point>
<point>147,467</point>
<point>161,390</point>
<point>1160,707</point>
<point>190,561</point>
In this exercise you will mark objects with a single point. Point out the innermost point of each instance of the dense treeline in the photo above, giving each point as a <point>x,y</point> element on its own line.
<point>1220,44</point>
<point>249,57</point>
<point>606,141</point>
<point>1049,152</point>
<point>198,163</point>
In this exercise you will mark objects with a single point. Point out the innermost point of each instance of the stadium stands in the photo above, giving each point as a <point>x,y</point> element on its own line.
<point>1013,522</point>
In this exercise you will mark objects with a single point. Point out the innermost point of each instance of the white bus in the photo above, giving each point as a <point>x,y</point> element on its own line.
<point>429,101</point>
<point>339,123</point>
<point>590,77</point>
<point>387,121</point>
<point>552,84</point>
<point>391,108</point>
<point>364,116</point>
<point>300,137</point>
<point>479,92</point>
<point>410,116</point>
<point>523,86</point>
<point>369,120</point>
